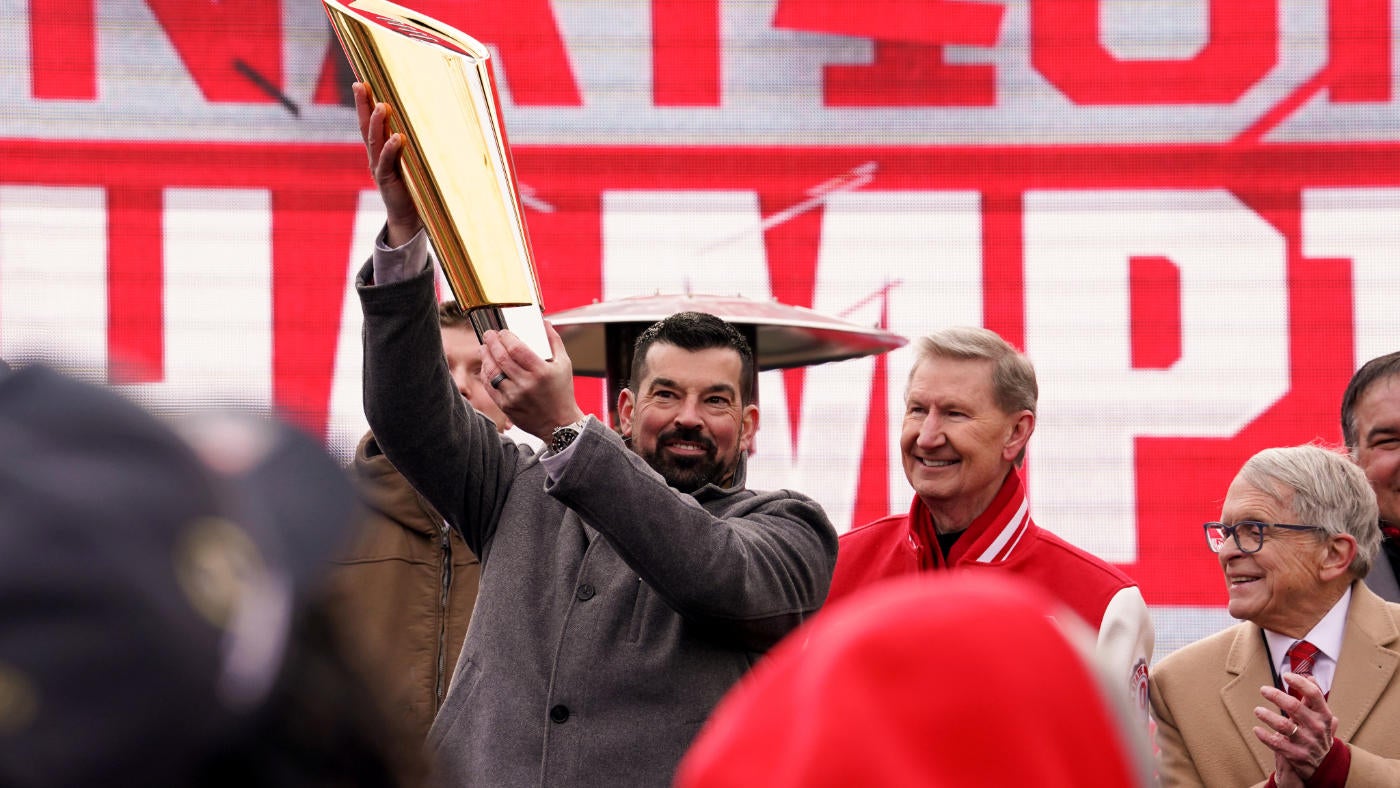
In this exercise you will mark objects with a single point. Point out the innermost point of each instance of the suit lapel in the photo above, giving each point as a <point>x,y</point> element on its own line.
<point>1367,664</point>
<point>1248,663</point>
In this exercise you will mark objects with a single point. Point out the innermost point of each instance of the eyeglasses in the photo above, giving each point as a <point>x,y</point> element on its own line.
<point>1248,534</point>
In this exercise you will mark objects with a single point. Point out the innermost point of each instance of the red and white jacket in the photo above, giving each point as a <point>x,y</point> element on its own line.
<point>1005,539</point>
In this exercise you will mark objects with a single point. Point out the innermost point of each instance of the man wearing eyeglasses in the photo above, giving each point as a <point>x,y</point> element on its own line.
<point>1302,692</point>
<point>1371,426</point>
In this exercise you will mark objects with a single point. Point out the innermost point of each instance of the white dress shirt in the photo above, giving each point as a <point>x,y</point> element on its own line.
<point>1326,636</point>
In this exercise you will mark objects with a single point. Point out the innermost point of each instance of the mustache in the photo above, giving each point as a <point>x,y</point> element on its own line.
<point>686,435</point>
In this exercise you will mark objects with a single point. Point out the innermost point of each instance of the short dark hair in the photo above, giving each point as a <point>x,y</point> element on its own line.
<point>694,331</point>
<point>1372,372</point>
<point>452,315</point>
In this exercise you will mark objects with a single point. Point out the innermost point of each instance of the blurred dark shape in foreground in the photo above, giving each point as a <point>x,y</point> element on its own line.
<point>159,622</point>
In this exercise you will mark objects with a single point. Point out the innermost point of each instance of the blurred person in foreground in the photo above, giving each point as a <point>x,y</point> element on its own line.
<point>1303,692</point>
<point>627,580</point>
<point>1371,427</point>
<point>969,413</point>
<point>159,615</point>
<point>405,589</point>
<point>923,682</point>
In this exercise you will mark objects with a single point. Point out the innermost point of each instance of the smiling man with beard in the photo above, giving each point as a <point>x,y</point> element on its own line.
<point>624,588</point>
<point>675,415</point>
<point>969,413</point>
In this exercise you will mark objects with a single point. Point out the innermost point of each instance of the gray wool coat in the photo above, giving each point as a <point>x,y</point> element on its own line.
<point>614,611</point>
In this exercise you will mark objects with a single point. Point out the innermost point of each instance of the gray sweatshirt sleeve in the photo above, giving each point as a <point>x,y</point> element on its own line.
<point>751,573</point>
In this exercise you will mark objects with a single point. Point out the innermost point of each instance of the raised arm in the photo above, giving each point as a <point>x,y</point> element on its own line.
<point>451,454</point>
<point>384,149</point>
<point>751,575</point>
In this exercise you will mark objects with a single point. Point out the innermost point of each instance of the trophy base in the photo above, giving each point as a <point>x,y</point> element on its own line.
<point>526,322</point>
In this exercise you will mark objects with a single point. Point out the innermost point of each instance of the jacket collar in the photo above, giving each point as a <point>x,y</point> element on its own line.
<point>712,491</point>
<point>994,537</point>
<point>1368,661</point>
<point>1248,664</point>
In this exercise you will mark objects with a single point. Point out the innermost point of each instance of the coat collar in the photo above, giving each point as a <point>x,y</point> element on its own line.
<point>1248,664</point>
<point>993,537</point>
<point>1368,662</point>
<point>711,491</point>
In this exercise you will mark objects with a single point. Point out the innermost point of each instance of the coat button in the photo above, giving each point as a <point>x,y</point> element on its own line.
<point>559,714</point>
<point>584,593</point>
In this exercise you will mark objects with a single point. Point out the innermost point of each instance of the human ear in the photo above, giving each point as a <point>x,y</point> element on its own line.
<point>748,427</point>
<point>1336,561</point>
<point>1021,430</point>
<point>625,403</point>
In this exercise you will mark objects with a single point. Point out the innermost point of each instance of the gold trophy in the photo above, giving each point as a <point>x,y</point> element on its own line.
<point>437,81</point>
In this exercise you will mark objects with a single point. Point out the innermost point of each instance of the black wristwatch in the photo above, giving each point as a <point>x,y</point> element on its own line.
<point>565,435</point>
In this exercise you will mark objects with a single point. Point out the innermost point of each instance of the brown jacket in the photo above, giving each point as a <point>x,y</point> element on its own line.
<point>1203,698</point>
<point>404,592</point>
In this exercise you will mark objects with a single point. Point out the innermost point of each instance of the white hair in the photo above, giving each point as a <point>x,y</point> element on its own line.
<point>1323,488</point>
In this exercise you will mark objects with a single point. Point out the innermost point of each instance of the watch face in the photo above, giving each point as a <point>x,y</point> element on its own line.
<point>562,438</point>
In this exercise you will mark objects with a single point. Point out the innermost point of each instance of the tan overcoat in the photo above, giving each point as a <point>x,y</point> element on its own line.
<point>1204,695</point>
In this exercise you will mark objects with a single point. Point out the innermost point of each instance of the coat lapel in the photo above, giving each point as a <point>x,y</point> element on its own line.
<point>1248,663</point>
<point>1368,661</point>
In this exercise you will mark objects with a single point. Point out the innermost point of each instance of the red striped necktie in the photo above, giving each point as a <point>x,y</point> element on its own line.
<point>1302,656</point>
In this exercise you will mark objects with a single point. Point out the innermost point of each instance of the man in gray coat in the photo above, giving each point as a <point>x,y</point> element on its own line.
<point>627,580</point>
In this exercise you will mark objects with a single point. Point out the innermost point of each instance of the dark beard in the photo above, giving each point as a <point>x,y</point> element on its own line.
<point>686,474</point>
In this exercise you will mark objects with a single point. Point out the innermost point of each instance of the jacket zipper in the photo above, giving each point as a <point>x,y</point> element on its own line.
<point>443,602</point>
